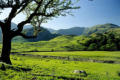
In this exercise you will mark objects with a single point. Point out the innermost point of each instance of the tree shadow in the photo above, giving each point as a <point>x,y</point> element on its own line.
<point>20,69</point>
<point>5,67</point>
<point>60,77</point>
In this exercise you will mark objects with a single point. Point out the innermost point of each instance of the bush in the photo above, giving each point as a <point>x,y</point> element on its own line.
<point>92,46</point>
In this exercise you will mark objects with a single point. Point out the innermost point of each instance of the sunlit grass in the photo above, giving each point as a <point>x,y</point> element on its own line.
<point>47,69</point>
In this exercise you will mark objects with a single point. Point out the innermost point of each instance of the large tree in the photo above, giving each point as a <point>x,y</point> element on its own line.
<point>36,11</point>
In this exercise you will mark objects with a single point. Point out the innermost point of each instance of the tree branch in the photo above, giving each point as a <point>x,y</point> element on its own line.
<point>1,23</point>
<point>15,7</point>
<point>11,15</point>
<point>43,14</point>
<point>24,5</point>
<point>21,25</point>
<point>26,36</point>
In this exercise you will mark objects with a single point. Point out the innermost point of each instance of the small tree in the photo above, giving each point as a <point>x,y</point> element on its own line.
<point>37,11</point>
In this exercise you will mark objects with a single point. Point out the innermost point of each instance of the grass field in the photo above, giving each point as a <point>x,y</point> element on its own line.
<point>99,65</point>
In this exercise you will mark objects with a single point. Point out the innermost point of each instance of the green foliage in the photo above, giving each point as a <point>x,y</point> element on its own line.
<point>108,41</point>
<point>111,47</point>
<point>92,47</point>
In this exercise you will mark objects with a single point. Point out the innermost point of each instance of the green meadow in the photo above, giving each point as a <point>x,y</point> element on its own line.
<point>99,65</point>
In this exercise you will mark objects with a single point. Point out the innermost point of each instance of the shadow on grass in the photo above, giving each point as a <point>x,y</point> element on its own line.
<point>60,77</point>
<point>20,69</point>
<point>4,67</point>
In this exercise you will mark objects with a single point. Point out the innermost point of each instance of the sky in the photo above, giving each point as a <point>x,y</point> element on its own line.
<point>91,13</point>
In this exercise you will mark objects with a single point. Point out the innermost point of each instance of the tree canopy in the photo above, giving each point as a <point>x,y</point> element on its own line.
<point>37,11</point>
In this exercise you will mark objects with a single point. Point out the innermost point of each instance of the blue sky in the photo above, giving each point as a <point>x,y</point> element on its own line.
<point>91,13</point>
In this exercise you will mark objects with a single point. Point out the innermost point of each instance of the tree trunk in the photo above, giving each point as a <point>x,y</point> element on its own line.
<point>6,48</point>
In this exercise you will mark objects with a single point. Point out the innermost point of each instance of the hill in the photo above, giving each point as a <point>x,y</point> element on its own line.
<point>51,30</point>
<point>43,35</point>
<point>60,43</point>
<point>101,28</point>
<point>47,34</point>
<point>70,31</point>
<point>108,41</point>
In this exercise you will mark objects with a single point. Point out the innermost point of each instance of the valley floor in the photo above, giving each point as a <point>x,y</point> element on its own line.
<point>99,65</point>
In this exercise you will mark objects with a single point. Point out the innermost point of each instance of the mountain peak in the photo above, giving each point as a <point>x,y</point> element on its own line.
<point>107,25</point>
<point>110,24</point>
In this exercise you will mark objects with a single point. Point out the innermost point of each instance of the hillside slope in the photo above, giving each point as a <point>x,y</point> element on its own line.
<point>101,28</point>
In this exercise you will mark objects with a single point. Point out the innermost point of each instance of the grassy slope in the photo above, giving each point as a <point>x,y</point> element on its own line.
<point>56,44</point>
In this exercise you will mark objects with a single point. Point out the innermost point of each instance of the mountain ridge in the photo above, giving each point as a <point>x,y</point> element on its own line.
<point>49,33</point>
